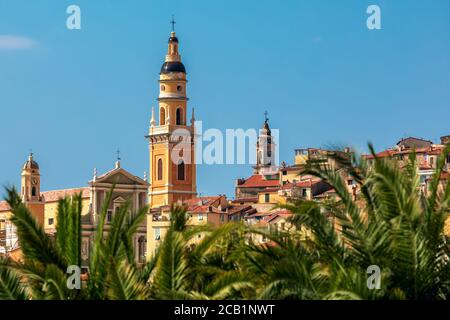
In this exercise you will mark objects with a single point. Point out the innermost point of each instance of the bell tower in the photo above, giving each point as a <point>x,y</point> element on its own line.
<point>171,139</point>
<point>31,188</point>
<point>265,148</point>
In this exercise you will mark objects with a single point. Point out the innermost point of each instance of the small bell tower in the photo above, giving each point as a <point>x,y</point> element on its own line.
<point>31,188</point>
<point>265,148</point>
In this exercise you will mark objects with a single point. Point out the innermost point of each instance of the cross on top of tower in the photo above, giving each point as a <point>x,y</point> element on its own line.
<point>265,116</point>
<point>173,23</point>
<point>118,159</point>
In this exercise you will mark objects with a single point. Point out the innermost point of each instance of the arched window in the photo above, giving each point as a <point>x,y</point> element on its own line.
<point>33,191</point>
<point>160,169</point>
<point>162,116</point>
<point>142,249</point>
<point>179,115</point>
<point>181,170</point>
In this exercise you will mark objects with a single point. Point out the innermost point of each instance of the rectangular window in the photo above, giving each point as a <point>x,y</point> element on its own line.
<point>350,182</point>
<point>51,221</point>
<point>109,216</point>
<point>157,233</point>
<point>267,198</point>
<point>200,217</point>
<point>284,172</point>
<point>222,217</point>
<point>304,193</point>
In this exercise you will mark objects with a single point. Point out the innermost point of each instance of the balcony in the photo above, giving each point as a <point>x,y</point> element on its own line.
<point>159,217</point>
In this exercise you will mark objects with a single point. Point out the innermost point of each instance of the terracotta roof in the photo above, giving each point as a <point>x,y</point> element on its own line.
<point>240,208</point>
<point>257,180</point>
<point>201,204</point>
<point>243,200</point>
<point>382,154</point>
<point>300,184</point>
<point>55,195</point>
<point>431,150</point>
<point>413,138</point>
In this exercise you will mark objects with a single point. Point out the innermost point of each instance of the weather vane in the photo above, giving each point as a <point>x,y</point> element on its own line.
<point>265,115</point>
<point>173,23</point>
<point>118,155</point>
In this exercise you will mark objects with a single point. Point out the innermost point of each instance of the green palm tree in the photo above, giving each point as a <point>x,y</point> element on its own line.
<point>392,225</point>
<point>188,268</point>
<point>41,274</point>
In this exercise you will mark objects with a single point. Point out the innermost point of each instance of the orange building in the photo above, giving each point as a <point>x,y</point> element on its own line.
<point>171,141</point>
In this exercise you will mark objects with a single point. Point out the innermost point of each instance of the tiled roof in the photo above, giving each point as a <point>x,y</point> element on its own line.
<point>432,150</point>
<point>55,195</point>
<point>279,214</point>
<point>382,154</point>
<point>243,200</point>
<point>257,180</point>
<point>240,208</point>
<point>300,184</point>
<point>202,204</point>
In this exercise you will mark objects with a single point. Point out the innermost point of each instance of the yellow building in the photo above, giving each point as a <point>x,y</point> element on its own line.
<point>44,207</point>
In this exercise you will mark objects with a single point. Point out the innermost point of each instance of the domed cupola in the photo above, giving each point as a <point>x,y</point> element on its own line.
<point>173,66</point>
<point>30,163</point>
<point>173,59</point>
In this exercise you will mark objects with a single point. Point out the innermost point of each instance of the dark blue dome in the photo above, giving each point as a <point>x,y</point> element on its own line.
<point>172,66</point>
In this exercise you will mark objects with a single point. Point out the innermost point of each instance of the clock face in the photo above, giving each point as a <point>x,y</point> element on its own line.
<point>34,181</point>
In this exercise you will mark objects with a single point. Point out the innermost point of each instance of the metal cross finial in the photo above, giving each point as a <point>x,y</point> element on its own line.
<point>265,115</point>
<point>173,23</point>
<point>118,155</point>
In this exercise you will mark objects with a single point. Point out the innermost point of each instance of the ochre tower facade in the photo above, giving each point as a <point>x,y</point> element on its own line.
<point>31,189</point>
<point>171,139</point>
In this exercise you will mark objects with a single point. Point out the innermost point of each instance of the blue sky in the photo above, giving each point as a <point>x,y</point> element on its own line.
<point>74,97</point>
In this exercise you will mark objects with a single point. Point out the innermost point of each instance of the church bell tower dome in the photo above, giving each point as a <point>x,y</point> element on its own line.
<point>30,163</point>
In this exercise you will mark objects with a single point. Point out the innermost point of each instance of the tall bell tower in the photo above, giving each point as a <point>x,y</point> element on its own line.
<point>171,139</point>
<point>265,149</point>
<point>31,189</point>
